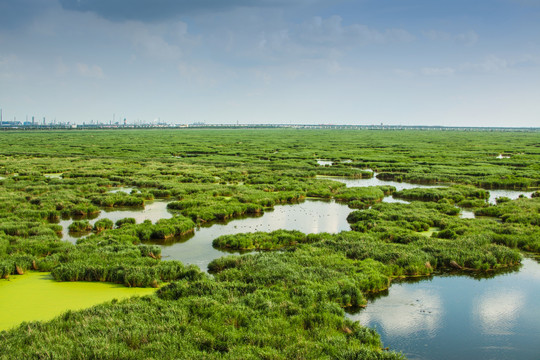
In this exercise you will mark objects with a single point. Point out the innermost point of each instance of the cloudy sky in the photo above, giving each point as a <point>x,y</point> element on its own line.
<point>428,62</point>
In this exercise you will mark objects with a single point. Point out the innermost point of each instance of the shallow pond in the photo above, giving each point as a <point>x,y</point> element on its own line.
<point>310,216</point>
<point>324,162</point>
<point>511,194</point>
<point>493,194</point>
<point>391,199</point>
<point>126,190</point>
<point>152,211</point>
<point>467,214</point>
<point>376,182</point>
<point>36,296</point>
<point>458,317</point>
<point>54,175</point>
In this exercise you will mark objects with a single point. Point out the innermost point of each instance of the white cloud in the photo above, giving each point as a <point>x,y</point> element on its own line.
<point>468,38</point>
<point>204,75</point>
<point>403,73</point>
<point>162,42</point>
<point>263,76</point>
<point>333,67</point>
<point>6,60</point>
<point>433,71</point>
<point>90,71</point>
<point>61,67</point>
<point>313,48</point>
<point>9,65</point>
<point>332,31</point>
<point>155,46</point>
<point>491,64</point>
<point>152,43</point>
<point>189,71</point>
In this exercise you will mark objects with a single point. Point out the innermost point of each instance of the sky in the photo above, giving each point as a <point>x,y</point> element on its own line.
<point>396,62</point>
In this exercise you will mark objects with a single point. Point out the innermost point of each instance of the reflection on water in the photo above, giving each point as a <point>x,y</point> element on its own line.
<point>377,182</point>
<point>53,175</point>
<point>126,190</point>
<point>496,312</point>
<point>325,162</point>
<point>391,199</point>
<point>511,194</point>
<point>466,214</point>
<point>457,317</point>
<point>310,216</point>
<point>493,194</point>
<point>152,211</point>
<point>406,312</point>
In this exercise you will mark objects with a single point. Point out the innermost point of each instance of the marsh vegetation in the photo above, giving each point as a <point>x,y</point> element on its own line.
<point>286,297</point>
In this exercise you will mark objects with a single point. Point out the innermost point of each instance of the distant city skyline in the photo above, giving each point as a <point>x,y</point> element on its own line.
<point>396,62</point>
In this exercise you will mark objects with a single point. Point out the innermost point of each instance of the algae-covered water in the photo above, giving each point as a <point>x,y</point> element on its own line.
<point>36,296</point>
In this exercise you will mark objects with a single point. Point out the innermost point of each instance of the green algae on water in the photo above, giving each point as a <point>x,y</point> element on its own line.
<point>36,296</point>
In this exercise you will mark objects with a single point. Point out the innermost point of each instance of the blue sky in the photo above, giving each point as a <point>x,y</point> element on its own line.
<point>428,62</point>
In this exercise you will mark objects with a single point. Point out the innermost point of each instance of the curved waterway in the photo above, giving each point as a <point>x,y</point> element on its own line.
<point>310,216</point>
<point>458,317</point>
<point>36,296</point>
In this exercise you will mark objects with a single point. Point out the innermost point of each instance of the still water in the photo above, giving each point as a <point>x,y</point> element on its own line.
<point>511,194</point>
<point>493,194</point>
<point>152,211</point>
<point>376,182</point>
<point>321,162</point>
<point>458,317</point>
<point>310,216</point>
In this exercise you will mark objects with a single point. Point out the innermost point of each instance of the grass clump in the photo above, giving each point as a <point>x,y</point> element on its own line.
<point>260,240</point>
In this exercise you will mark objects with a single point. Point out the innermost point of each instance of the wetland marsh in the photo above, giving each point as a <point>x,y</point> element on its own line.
<point>317,233</point>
